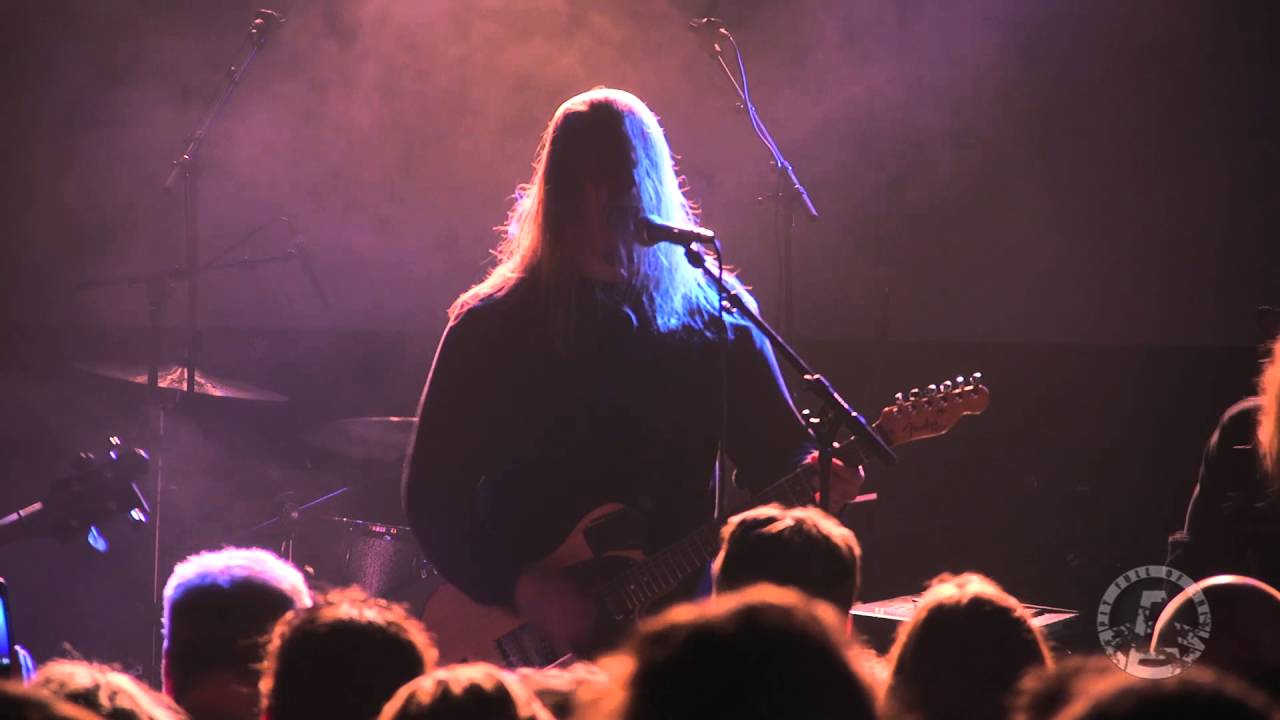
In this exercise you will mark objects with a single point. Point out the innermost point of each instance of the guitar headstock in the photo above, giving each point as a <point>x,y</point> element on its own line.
<point>100,489</point>
<point>932,411</point>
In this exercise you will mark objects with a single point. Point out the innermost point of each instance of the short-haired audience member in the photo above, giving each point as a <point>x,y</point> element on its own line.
<point>962,652</point>
<point>219,607</point>
<point>760,652</point>
<point>19,703</point>
<point>1043,692</point>
<point>104,690</point>
<point>1197,692</point>
<point>800,547</point>
<point>344,658</point>
<point>466,691</point>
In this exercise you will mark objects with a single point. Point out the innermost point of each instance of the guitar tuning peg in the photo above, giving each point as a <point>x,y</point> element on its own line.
<point>898,399</point>
<point>961,381</point>
<point>114,447</point>
<point>975,379</point>
<point>914,394</point>
<point>945,387</point>
<point>931,390</point>
<point>84,462</point>
<point>97,540</point>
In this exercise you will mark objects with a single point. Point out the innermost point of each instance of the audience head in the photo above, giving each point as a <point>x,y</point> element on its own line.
<point>962,651</point>
<point>1268,440</point>
<point>19,703</point>
<point>478,691</point>
<point>1197,692</point>
<point>1242,608</point>
<point>343,658</point>
<point>219,607</point>
<point>760,652</point>
<point>559,688</point>
<point>800,547</point>
<point>1043,692</point>
<point>105,690</point>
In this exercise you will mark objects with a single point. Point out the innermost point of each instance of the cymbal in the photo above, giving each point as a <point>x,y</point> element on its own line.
<point>366,438</point>
<point>174,377</point>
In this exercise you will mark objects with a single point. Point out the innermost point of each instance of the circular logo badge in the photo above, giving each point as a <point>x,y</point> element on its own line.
<point>1127,617</point>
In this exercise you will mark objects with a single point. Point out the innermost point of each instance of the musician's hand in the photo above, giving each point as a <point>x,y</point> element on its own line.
<point>845,481</point>
<point>555,605</point>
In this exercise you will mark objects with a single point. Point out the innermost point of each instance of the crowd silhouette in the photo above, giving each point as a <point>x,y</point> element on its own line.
<point>246,639</point>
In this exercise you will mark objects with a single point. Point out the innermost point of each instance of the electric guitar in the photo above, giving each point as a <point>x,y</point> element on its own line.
<point>99,490</point>
<point>466,630</point>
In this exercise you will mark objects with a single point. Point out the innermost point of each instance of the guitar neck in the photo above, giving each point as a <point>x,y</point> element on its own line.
<point>662,572</point>
<point>914,417</point>
<point>16,525</point>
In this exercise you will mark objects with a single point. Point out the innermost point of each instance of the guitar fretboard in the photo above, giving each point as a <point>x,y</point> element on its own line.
<point>660,573</point>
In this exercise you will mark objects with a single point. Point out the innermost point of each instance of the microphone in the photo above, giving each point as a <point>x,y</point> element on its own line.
<point>268,16</point>
<point>653,232</point>
<point>712,29</point>
<point>306,262</point>
<point>264,21</point>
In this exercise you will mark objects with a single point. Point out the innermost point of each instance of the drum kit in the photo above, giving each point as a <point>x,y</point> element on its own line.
<point>382,557</point>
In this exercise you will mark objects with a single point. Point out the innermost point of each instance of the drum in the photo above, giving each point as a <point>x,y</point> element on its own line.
<point>383,559</point>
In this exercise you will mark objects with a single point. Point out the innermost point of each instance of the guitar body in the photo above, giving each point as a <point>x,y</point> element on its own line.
<point>466,630</point>
<point>615,583</point>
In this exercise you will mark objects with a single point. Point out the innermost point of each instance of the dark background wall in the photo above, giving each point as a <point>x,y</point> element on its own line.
<point>1096,172</point>
<point>1078,198</point>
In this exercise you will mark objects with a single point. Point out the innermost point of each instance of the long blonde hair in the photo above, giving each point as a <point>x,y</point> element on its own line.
<point>609,137</point>
<point>1268,443</point>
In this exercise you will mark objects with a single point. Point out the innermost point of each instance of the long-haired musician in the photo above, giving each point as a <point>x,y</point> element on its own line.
<point>1233,519</point>
<point>589,368</point>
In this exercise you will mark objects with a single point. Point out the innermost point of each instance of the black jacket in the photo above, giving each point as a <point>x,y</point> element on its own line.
<point>519,436</point>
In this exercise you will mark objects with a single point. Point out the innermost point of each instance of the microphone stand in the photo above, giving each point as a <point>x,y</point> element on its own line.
<point>168,277</point>
<point>835,413</point>
<point>790,190</point>
<point>187,169</point>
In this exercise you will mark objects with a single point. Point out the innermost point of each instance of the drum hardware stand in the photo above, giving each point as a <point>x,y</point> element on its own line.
<point>159,284</point>
<point>289,517</point>
<point>161,400</point>
<point>290,513</point>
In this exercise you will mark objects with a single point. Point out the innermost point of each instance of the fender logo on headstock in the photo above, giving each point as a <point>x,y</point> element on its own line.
<point>933,411</point>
